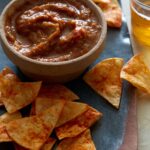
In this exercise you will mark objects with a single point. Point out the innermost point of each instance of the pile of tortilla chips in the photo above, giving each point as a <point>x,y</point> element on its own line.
<point>106,77</point>
<point>112,12</point>
<point>52,110</point>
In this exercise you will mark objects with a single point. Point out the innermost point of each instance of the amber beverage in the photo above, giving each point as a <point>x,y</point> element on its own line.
<point>140,21</point>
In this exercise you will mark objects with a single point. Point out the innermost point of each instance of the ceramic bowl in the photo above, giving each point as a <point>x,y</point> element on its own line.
<point>59,72</point>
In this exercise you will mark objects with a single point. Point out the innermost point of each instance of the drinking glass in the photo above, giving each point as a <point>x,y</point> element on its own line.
<point>140,21</point>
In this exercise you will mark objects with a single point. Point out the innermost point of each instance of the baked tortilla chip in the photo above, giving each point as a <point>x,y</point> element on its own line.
<point>20,95</point>
<point>137,72</point>
<point>80,142</point>
<point>79,124</point>
<point>4,137</point>
<point>102,1</point>
<point>57,91</point>
<point>105,79</point>
<point>43,103</point>
<point>6,74</point>
<point>1,103</point>
<point>71,110</point>
<point>32,111</point>
<point>4,119</point>
<point>112,13</point>
<point>47,146</point>
<point>33,132</point>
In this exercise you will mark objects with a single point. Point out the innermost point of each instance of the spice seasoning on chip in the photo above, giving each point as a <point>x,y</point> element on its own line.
<point>57,91</point>
<point>80,142</point>
<point>105,79</point>
<point>137,72</point>
<point>4,120</point>
<point>6,74</point>
<point>33,132</point>
<point>48,145</point>
<point>112,12</point>
<point>20,94</point>
<point>79,124</point>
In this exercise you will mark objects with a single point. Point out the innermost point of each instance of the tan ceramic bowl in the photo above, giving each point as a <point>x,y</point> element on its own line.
<point>52,71</point>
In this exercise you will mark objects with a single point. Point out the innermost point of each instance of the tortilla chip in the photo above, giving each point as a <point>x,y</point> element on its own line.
<point>4,137</point>
<point>1,103</point>
<point>79,124</point>
<point>20,95</point>
<point>47,146</point>
<point>71,110</point>
<point>57,91</point>
<point>137,73</point>
<point>7,74</point>
<point>104,78</point>
<point>52,113</point>
<point>112,13</point>
<point>102,1</point>
<point>80,142</point>
<point>4,119</point>
<point>32,111</point>
<point>42,103</point>
<point>32,132</point>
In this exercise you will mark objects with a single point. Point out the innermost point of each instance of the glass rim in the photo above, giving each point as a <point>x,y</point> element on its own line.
<point>142,4</point>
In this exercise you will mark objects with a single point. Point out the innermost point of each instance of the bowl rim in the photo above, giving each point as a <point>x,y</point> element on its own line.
<point>90,52</point>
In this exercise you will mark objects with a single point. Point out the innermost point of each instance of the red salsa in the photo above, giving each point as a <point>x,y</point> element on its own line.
<point>53,30</point>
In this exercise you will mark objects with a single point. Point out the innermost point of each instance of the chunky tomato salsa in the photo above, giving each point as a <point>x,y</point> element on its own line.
<point>53,30</point>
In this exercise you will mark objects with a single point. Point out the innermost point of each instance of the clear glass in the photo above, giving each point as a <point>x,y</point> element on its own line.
<point>140,21</point>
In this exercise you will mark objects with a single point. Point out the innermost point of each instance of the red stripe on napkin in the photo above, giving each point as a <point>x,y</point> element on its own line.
<point>131,133</point>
